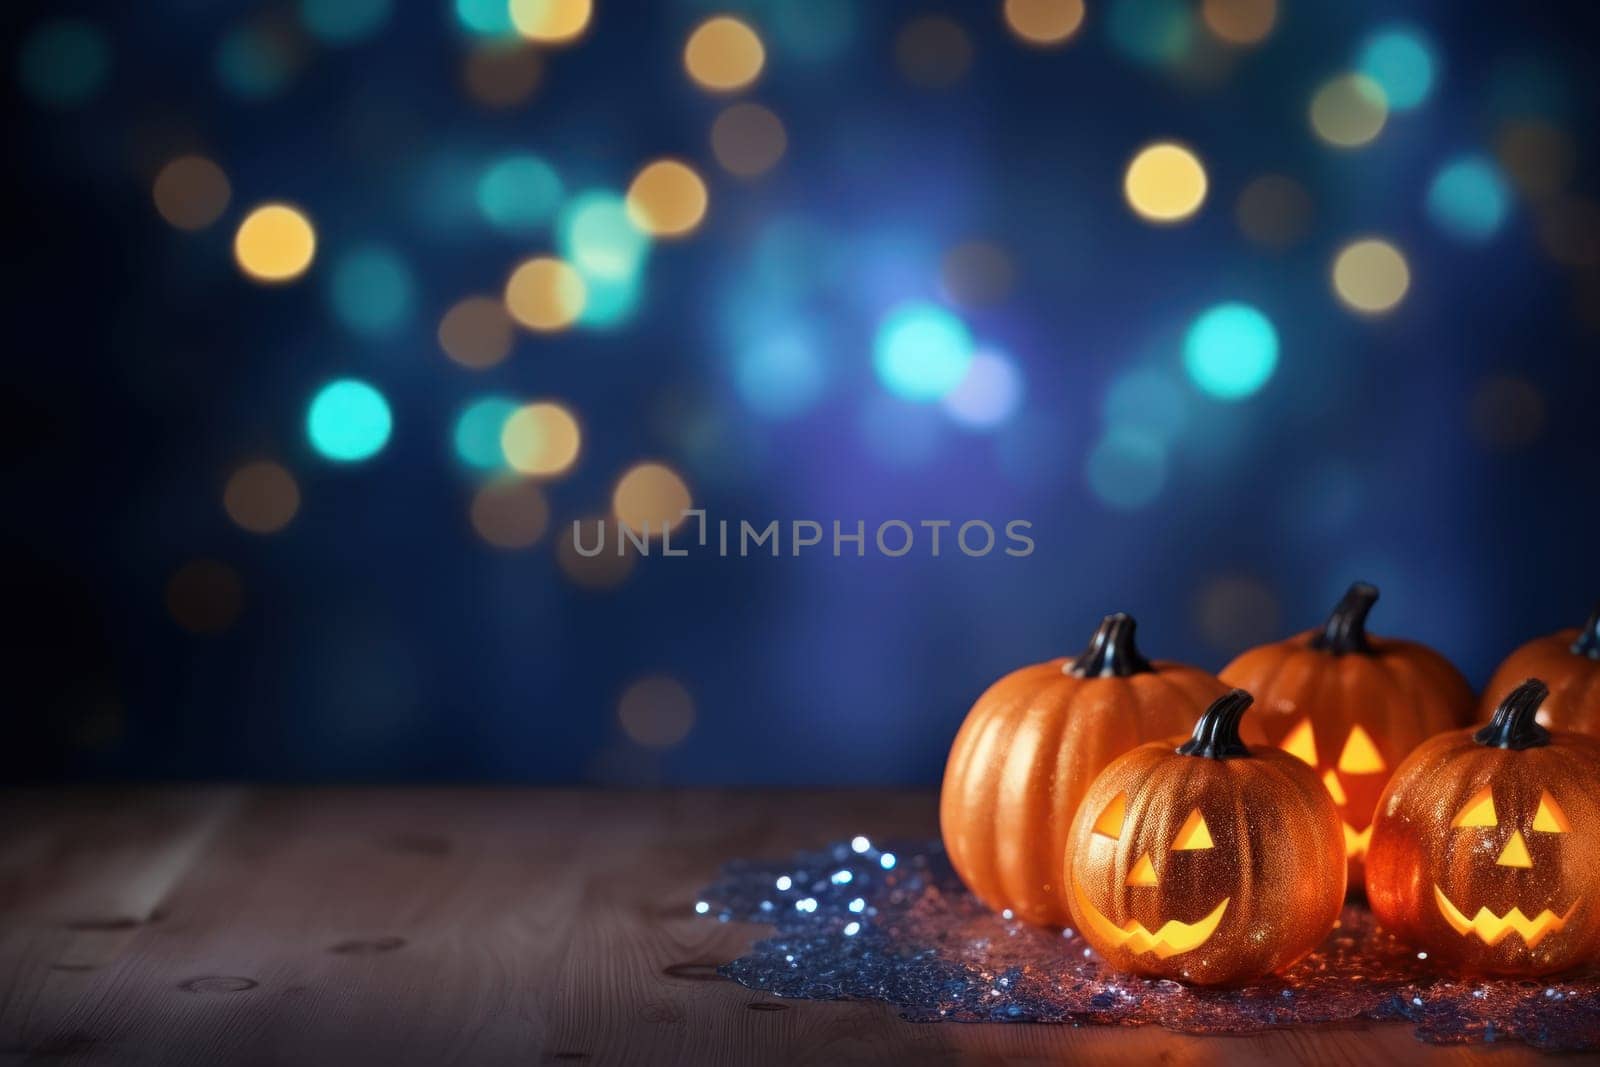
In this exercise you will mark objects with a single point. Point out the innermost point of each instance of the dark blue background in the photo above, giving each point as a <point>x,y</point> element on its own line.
<point>380,638</point>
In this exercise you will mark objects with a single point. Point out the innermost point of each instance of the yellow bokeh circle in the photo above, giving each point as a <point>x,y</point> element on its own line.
<point>545,294</point>
<point>1044,22</point>
<point>724,54</point>
<point>650,498</point>
<point>541,439</point>
<point>275,243</point>
<point>1349,111</point>
<point>551,21</point>
<point>667,199</point>
<point>1165,183</point>
<point>1370,276</point>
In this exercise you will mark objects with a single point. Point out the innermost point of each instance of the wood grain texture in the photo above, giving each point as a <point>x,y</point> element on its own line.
<point>469,926</point>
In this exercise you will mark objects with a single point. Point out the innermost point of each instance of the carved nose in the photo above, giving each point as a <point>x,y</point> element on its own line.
<point>1143,873</point>
<point>1515,854</point>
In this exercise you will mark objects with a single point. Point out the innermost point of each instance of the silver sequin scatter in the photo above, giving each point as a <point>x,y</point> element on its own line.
<point>857,922</point>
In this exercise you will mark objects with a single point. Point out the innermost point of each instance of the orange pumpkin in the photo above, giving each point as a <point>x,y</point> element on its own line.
<point>1352,706</point>
<point>1486,844</point>
<point>1212,862</point>
<point>1032,744</point>
<point>1569,663</point>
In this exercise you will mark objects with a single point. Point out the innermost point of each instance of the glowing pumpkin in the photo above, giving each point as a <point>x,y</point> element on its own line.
<point>1568,661</point>
<point>1212,862</point>
<point>1032,744</point>
<point>1352,705</point>
<point>1486,845</point>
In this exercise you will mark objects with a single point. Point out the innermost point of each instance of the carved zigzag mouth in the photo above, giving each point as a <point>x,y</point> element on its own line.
<point>1492,929</point>
<point>1173,938</point>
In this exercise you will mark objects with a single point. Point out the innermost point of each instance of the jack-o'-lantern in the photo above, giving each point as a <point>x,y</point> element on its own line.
<point>1352,705</point>
<point>1032,744</point>
<point>1212,862</point>
<point>1486,846</point>
<point>1568,661</point>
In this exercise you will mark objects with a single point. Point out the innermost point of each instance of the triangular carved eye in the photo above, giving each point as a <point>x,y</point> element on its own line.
<point>1360,755</point>
<point>1194,835</point>
<point>1109,824</point>
<point>1550,818</point>
<point>1300,743</point>
<point>1479,811</point>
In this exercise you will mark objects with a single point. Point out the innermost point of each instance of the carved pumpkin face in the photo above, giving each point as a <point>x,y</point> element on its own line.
<point>1485,845</point>
<point>1568,661</point>
<point>1351,706</point>
<point>1182,864</point>
<point>1032,744</point>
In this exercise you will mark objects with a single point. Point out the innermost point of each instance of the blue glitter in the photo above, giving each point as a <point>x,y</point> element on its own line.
<point>935,952</point>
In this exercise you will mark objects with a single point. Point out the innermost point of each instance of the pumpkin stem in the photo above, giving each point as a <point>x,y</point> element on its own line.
<point>1588,642</point>
<point>1514,725</point>
<point>1216,735</point>
<point>1346,629</point>
<point>1111,652</point>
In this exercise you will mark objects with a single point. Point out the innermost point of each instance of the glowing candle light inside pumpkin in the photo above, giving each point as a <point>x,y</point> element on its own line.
<point>1175,851</point>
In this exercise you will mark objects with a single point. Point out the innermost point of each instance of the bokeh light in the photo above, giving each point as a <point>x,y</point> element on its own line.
<point>1044,22</point>
<point>1349,111</point>
<point>510,513</point>
<point>485,18</point>
<point>1152,32</point>
<point>205,596</point>
<point>724,54</point>
<point>519,194</point>
<point>921,351</point>
<point>1469,198</point>
<point>976,274</point>
<point>1165,182</point>
<point>1370,276</point>
<point>344,21</point>
<point>476,332</point>
<point>1231,351</point>
<point>780,375</point>
<point>596,235</point>
<point>651,497</point>
<point>545,294</point>
<point>1127,468</point>
<point>988,395</point>
<point>1149,401</point>
<point>257,61</point>
<point>1401,61</point>
<point>610,302</point>
<point>261,497</point>
<point>551,21</point>
<point>813,31</point>
<point>1274,211</point>
<point>748,140</point>
<point>191,192</point>
<point>1241,22</point>
<point>479,430</point>
<point>348,421</point>
<point>502,74</point>
<point>371,290</point>
<point>1507,412</point>
<point>606,569</point>
<point>656,712</point>
<point>667,199</point>
<point>1538,155</point>
<point>541,439</point>
<point>275,243</point>
<point>64,62</point>
<point>932,52</point>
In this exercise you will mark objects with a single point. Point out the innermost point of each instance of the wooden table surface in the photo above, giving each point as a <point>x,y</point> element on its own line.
<point>218,925</point>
